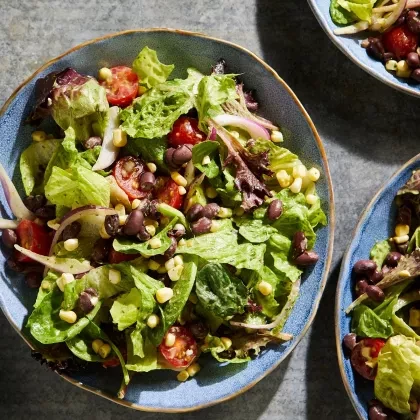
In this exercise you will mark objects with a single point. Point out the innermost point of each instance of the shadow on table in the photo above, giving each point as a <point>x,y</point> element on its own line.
<point>346,104</point>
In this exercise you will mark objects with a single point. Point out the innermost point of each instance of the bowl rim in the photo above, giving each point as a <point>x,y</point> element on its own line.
<point>331,218</point>
<point>343,278</point>
<point>322,20</point>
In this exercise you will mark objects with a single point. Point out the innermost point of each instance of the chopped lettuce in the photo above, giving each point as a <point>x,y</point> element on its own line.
<point>254,230</point>
<point>339,15</point>
<point>219,292</point>
<point>125,308</point>
<point>201,150</point>
<point>215,347</point>
<point>398,373</point>
<point>148,360</point>
<point>366,323</point>
<point>379,252</point>
<point>362,9</point>
<point>149,69</point>
<point>270,306</point>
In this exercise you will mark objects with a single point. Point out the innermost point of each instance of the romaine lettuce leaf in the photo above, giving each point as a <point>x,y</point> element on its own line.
<point>219,292</point>
<point>148,360</point>
<point>254,230</point>
<point>199,151</point>
<point>366,323</point>
<point>362,9</point>
<point>214,345</point>
<point>149,69</point>
<point>125,308</point>
<point>51,280</point>
<point>270,306</point>
<point>33,162</point>
<point>398,373</point>
<point>339,15</point>
<point>379,252</point>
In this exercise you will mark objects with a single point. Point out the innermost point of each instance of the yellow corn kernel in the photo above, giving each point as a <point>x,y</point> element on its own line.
<point>179,179</point>
<point>104,73</point>
<point>401,239</point>
<point>193,369</point>
<point>414,320</point>
<point>265,288</point>
<point>178,260</point>
<point>120,209</point>
<point>404,274</point>
<point>296,185</point>
<point>175,272</point>
<point>206,160</point>
<point>162,270</point>
<point>136,202</point>
<point>102,232</point>
<point>182,190</point>
<point>283,178</point>
<point>391,65</point>
<point>164,294</point>
<point>152,167</point>
<point>211,192</point>
<point>402,230</point>
<point>153,321</point>
<point>299,171</point>
<point>182,242</point>
<point>155,243</point>
<point>153,265</point>
<point>182,376</point>
<point>239,211</point>
<point>119,138</point>
<point>114,276</point>
<point>53,224</point>
<point>170,340</point>
<point>314,174</point>
<point>311,199</point>
<point>64,279</point>
<point>68,316</point>
<point>224,213</point>
<point>71,244</point>
<point>170,264</point>
<point>104,351</point>
<point>227,342</point>
<point>276,136</point>
<point>366,352</point>
<point>96,345</point>
<point>403,69</point>
<point>45,284</point>
<point>39,136</point>
<point>150,229</point>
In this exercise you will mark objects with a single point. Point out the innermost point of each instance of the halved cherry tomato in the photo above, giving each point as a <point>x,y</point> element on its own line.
<point>184,351</point>
<point>185,131</point>
<point>169,194</point>
<point>400,41</point>
<point>33,237</point>
<point>367,350</point>
<point>123,87</point>
<point>127,173</point>
<point>116,257</point>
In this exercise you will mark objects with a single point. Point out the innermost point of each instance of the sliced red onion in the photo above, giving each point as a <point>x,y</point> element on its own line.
<point>62,265</point>
<point>13,198</point>
<point>383,24</point>
<point>8,224</point>
<point>281,317</point>
<point>212,134</point>
<point>412,4</point>
<point>352,29</point>
<point>109,152</point>
<point>254,129</point>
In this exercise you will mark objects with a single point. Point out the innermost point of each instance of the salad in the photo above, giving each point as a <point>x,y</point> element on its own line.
<point>394,26</point>
<point>384,344</point>
<point>165,222</point>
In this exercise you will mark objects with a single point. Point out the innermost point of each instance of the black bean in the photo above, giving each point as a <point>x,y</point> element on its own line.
<point>143,235</point>
<point>199,330</point>
<point>112,224</point>
<point>170,252</point>
<point>401,20</point>
<point>181,155</point>
<point>307,258</point>
<point>92,142</point>
<point>85,302</point>
<point>365,267</point>
<point>46,212</point>
<point>210,210</point>
<point>404,216</point>
<point>376,413</point>
<point>350,340</point>
<point>202,225</point>
<point>15,265</point>
<point>91,291</point>
<point>413,60</point>
<point>9,238</point>
<point>299,244</point>
<point>169,153</point>
<point>392,259</point>
<point>275,209</point>
<point>33,203</point>
<point>33,280</point>
<point>178,231</point>
<point>376,277</point>
<point>402,248</point>
<point>413,21</point>
<point>100,250</point>
<point>375,49</point>
<point>388,56</point>
<point>147,181</point>
<point>133,223</point>
<point>193,212</point>
<point>415,74</point>
<point>72,231</point>
<point>375,293</point>
<point>361,286</point>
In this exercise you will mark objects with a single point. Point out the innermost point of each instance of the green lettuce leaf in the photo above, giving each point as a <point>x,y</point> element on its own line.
<point>398,373</point>
<point>254,230</point>
<point>219,292</point>
<point>362,9</point>
<point>366,323</point>
<point>124,310</point>
<point>148,360</point>
<point>82,252</point>
<point>339,15</point>
<point>51,280</point>
<point>379,252</point>
<point>149,69</point>
<point>414,241</point>
<point>153,114</point>
<point>33,163</point>
<point>215,347</point>
<point>199,151</point>
<point>270,306</point>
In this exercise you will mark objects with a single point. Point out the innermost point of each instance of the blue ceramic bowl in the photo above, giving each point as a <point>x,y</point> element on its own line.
<point>376,223</point>
<point>160,391</point>
<point>350,45</point>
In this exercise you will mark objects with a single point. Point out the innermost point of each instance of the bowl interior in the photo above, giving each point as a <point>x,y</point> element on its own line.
<point>376,224</point>
<point>350,45</point>
<point>160,391</point>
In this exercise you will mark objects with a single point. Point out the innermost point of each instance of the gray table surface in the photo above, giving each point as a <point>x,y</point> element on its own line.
<point>368,130</point>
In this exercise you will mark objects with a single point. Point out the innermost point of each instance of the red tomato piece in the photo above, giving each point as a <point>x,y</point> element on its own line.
<point>122,88</point>
<point>184,351</point>
<point>185,131</point>
<point>400,41</point>
<point>366,350</point>
<point>116,257</point>
<point>169,194</point>
<point>127,173</point>
<point>33,237</point>
<point>114,361</point>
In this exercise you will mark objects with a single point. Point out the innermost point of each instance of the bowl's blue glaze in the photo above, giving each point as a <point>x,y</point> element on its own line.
<point>160,391</point>
<point>350,45</point>
<point>376,223</point>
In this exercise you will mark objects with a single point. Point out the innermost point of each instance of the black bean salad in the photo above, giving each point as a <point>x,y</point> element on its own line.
<point>395,29</point>
<point>384,344</point>
<point>169,222</point>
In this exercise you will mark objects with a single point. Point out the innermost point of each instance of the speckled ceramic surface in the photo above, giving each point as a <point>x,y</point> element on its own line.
<point>160,391</point>
<point>350,45</point>
<point>376,223</point>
